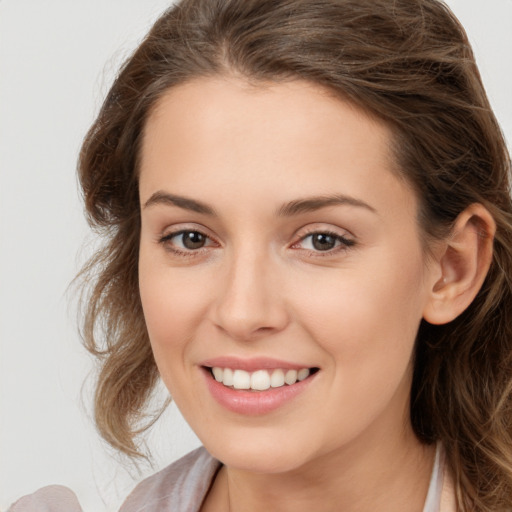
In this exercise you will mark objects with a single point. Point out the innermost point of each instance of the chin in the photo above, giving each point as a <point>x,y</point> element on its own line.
<point>256,461</point>
<point>262,453</point>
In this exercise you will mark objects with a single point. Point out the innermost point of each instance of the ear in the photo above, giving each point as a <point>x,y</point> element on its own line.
<point>461,265</point>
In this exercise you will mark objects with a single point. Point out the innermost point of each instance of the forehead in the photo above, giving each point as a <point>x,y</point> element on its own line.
<point>288,137</point>
<point>209,103</point>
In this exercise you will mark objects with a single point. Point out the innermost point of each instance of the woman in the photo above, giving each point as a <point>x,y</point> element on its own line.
<point>307,218</point>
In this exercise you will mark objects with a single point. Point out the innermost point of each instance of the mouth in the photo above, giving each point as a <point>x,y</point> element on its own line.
<point>260,379</point>
<point>257,386</point>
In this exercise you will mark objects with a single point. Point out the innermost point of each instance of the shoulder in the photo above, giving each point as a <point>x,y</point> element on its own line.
<point>54,498</point>
<point>180,486</point>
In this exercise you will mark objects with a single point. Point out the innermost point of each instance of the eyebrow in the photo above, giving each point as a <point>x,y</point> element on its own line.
<point>310,204</point>
<point>295,207</point>
<point>180,201</point>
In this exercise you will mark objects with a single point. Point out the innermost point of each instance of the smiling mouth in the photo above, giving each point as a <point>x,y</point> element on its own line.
<point>259,380</point>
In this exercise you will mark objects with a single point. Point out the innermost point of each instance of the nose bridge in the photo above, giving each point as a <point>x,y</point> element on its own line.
<point>250,302</point>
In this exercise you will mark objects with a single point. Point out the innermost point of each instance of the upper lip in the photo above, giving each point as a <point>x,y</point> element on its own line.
<point>252,364</point>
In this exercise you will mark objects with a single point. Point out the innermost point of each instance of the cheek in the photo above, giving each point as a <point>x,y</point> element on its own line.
<point>170,309</point>
<point>367,321</point>
<point>173,302</point>
<point>168,306</point>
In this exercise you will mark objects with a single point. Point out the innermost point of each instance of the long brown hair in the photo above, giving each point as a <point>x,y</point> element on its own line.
<point>408,62</point>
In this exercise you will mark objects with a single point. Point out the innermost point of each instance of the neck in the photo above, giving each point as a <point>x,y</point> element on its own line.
<point>392,476</point>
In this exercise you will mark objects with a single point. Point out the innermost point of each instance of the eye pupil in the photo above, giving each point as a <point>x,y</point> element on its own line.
<point>193,240</point>
<point>323,242</point>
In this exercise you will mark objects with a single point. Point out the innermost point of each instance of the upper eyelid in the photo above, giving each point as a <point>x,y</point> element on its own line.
<point>178,232</point>
<point>335,231</point>
<point>169,231</point>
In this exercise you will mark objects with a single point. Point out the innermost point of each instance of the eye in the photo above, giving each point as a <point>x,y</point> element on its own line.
<point>187,240</point>
<point>324,242</point>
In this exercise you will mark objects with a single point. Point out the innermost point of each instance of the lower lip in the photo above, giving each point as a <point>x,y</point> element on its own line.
<point>253,403</point>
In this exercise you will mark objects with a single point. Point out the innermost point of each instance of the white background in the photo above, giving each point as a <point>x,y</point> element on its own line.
<point>57,59</point>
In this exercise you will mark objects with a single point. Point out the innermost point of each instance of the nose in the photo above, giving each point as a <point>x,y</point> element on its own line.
<point>250,303</point>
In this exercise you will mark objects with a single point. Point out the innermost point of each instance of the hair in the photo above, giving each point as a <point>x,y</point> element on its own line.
<point>409,63</point>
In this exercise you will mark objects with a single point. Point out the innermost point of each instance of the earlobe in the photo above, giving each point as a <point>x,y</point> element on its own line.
<point>462,264</point>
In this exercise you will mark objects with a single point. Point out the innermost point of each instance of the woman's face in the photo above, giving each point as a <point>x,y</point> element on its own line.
<point>276,236</point>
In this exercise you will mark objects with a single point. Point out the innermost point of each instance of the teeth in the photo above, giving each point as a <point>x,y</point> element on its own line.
<point>259,380</point>
<point>218,374</point>
<point>241,379</point>
<point>303,373</point>
<point>290,377</point>
<point>228,377</point>
<point>277,379</point>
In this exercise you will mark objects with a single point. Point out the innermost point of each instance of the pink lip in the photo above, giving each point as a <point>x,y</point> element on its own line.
<point>253,403</point>
<point>253,364</point>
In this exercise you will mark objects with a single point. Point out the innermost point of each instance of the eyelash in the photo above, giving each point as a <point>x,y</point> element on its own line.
<point>190,253</point>
<point>344,243</point>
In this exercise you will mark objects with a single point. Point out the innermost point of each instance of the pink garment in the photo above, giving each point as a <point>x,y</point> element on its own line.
<point>54,498</point>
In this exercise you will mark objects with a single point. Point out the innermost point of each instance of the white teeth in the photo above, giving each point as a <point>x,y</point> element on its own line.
<point>241,379</point>
<point>277,379</point>
<point>303,373</point>
<point>228,377</point>
<point>218,373</point>
<point>259,380</point>
<point>290,377</point>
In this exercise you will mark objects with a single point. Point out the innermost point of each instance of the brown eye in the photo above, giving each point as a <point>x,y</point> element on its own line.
<point>193,239</point>
<point>186,240</point>
<point>323,241</point>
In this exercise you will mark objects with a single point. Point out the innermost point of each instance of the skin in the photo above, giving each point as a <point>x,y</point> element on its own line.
<point>258,287</point>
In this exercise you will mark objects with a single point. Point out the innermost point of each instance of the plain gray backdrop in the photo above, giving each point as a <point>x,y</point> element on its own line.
<point>57,59</point>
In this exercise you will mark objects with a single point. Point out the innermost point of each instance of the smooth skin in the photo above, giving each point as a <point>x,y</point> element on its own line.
<point>275,224</point>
